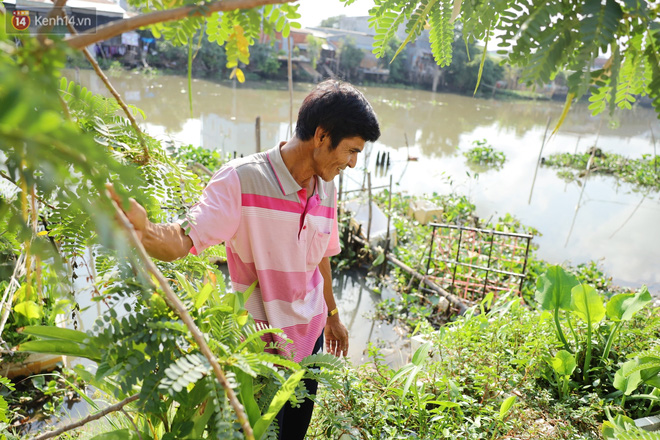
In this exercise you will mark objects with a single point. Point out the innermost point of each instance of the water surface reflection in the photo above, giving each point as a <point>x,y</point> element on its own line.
<point>607,221</point>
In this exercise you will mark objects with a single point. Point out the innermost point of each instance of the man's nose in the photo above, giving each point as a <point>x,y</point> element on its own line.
<point>353,160</point>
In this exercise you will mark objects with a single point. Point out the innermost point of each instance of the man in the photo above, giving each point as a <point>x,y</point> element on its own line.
<point>276,211</point>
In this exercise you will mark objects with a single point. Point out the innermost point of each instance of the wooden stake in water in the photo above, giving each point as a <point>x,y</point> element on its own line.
<point>655,156</point>
<point>289,70</point>
<point>538,161</point>
<point>584,185</point>
<point>370,213</point>
<point>257,133</point>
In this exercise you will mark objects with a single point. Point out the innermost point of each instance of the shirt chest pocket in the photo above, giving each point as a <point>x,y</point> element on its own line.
<point>317,244</point>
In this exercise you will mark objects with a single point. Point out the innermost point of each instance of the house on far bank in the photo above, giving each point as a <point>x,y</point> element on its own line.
<point>420,66</point>
<point>84,15</point>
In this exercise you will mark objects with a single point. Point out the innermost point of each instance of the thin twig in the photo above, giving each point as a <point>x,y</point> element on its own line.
<point>9,179</point>
<point>177,306</point>
<point>10,291</point>
<point>115,94</point>
<point>132,423</point>
<point>48,23</point>
<point>104,412</point>
<point>118,27</point>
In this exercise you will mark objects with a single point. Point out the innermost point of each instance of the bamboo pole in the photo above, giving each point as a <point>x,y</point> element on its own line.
<point>177,306</point>
<point>118,27</point>
<point>655,156</point>
<point>538,161</point>
<point>370,210</point>
<point>584,185</point>
<point>289,70</point>
<point>257,133</point>
<point>104,412</point>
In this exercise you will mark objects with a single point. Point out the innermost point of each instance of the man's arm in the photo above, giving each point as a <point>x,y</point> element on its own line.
<point>336,334</point>
<point>166,242</point>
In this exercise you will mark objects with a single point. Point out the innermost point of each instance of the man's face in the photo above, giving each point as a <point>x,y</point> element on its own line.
<point>330,162</point>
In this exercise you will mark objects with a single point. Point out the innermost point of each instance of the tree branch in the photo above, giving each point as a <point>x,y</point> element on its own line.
<point>90,418</point>
<point>177,306</point>
<point>115,94</point>
<point>120,26</point>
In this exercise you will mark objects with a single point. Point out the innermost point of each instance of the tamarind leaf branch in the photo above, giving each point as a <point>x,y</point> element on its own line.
<point>177,306</point>
<point>120,26</point>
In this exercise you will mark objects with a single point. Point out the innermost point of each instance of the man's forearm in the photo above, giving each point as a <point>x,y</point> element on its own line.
<point>166,241</point>
<point>329,296</point>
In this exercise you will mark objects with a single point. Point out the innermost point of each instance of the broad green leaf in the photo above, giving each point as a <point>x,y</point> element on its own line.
<point>29,309</point>
<point>421,354</point>
<point>627,378</point>
<point>379,259</point>
<point>587,304</point>
<point>553,289</point>
<point>48,332</point>
<point>63,348</point>
<point>563,363</point>
<point>622,307</point>
<point>203,295</point>
<point>506,406</point>
<point>649,367</point>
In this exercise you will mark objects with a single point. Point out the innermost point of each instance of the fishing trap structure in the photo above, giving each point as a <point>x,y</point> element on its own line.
<point>471,262</point>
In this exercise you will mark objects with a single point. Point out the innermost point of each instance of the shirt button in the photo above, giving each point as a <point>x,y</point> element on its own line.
<point>305,227</point>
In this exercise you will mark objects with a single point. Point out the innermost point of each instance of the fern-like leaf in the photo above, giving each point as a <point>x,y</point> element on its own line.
<point>184,371</point>
<point>441,34</point>
<point>416,23</point>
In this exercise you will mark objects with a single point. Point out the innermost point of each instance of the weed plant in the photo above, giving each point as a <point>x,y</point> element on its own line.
<point>484,376</point>
<point>485,155</point>
<point>644,172</point>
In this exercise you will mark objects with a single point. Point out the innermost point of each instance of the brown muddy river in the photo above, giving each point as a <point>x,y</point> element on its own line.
<point>608,221</point>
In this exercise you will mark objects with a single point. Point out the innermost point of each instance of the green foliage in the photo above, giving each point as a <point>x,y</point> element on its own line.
<point>350,58</point>
<point>624,428</point>
<point>476,368</point>
<point>484,154</point>
<point>58,160</point>
<point>191,155</point>
<point>642,172</point>
<point>559,291</point>
<point>543,39</point>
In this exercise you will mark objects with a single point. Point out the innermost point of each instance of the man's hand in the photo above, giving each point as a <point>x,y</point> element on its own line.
<point>136,213</point>
<point>166,241</point>
<point>336,337</point>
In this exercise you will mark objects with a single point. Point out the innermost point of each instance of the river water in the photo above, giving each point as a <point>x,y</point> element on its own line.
<point>607,220</point>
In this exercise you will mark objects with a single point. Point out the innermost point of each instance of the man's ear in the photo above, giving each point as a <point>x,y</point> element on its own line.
<point>320,136</point>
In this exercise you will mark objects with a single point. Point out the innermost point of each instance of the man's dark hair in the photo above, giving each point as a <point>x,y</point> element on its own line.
<point>341,110</point>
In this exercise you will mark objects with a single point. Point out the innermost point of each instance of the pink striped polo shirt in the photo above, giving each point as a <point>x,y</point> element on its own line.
<point>275,234</point>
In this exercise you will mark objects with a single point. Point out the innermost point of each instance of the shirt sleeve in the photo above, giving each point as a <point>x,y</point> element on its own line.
<point>333,246</point>
<point>215,218</point>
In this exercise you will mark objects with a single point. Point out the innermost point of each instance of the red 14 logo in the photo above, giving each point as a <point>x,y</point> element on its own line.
<point>20,20</point>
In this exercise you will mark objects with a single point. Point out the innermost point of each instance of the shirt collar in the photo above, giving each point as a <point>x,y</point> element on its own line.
<point>288,184</point>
